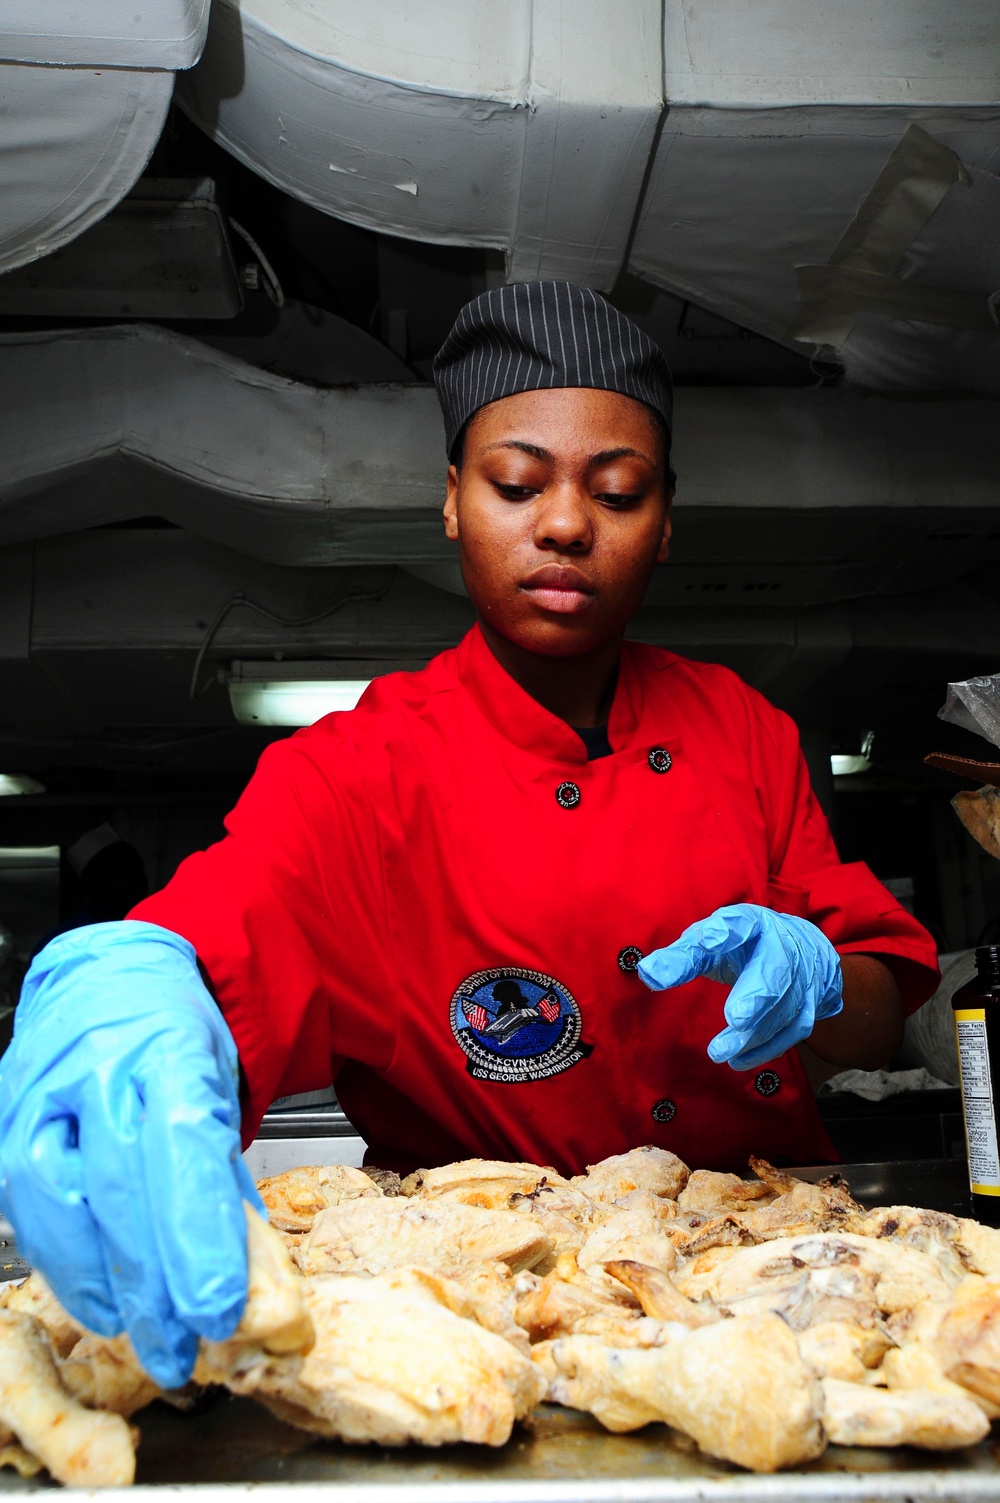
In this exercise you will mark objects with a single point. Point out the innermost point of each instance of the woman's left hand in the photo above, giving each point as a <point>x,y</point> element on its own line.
<point>784,972</point>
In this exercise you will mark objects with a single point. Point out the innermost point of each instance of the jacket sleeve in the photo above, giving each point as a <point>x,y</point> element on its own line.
<point>806,876</point>
<point>287,917</point>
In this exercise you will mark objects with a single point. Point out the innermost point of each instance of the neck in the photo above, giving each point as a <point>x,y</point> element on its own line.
<point>579,689</point>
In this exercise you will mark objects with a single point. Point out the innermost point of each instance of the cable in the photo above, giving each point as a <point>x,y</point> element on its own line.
<point>194,692</point>
<point>272,286</point>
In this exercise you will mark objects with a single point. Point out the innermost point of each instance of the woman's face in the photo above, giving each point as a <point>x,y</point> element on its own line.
<point>560,511</point>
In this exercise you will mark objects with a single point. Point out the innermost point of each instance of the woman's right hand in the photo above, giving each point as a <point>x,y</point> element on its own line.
<point>120,1165</point>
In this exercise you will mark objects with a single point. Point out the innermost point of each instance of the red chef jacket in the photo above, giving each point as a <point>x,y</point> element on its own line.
<point>437,901</point>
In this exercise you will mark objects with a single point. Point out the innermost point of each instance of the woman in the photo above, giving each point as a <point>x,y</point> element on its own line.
<point>449,900</point>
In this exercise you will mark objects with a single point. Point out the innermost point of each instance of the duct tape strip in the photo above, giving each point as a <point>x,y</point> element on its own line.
<point>902,199</point>
<point>831,298</point>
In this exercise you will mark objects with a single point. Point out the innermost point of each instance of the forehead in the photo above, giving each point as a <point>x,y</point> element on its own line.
<point>569,420</point>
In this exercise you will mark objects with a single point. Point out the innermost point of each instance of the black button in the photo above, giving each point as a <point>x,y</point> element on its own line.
<point>767,1082</point>
<point>660,759</point>
<point>664,1111</point>
<point>567,795</point>
<point>629,958</point>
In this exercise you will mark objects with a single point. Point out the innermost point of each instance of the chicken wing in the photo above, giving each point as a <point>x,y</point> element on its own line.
<point>840,1349</point>
<point>79,1446</point>
<point>715,1193</point>
<point>658,1295</point>
<point>103,1372</point>
<point>34,1297</point>
<point>855,1415</point>
<point>559,1306</point>
<point>739,1388</point>
<point>630,1235</point>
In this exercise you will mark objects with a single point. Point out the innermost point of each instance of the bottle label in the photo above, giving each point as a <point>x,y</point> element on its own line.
<point>977,1098</point>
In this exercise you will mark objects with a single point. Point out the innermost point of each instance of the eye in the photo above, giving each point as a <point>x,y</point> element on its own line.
<point>516,492</point>
<point>619,500</point>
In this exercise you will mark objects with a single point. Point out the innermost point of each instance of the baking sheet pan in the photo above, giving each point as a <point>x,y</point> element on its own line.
<point>232,1445</point>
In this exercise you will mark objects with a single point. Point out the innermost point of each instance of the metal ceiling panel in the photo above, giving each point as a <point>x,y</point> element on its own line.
<point>462,123</point>
<point>168,34</point>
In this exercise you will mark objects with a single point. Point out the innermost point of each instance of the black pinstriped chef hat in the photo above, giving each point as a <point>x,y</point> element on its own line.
<point>532,335</point>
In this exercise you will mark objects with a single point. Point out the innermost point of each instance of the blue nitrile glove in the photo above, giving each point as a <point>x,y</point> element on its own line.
<point>120,1163</point>
<point>785,975</point>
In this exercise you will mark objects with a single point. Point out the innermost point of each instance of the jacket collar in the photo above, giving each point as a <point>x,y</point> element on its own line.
<point>525,723</point>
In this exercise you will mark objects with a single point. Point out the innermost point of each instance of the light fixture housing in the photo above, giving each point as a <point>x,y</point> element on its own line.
<point>300,693</point>
<point>18,782</point>
<point>849,764</point>
<point>846,764</point>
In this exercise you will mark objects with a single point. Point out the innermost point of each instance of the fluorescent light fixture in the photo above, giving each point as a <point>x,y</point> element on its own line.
<point>844,765</point>
<point>847,764</point>
<point>294,693</point>
<point>294,701</point>
<point>18,782</point>
<point>28,857</point>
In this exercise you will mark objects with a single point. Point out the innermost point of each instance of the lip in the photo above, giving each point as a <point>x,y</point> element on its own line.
<point>560,588</point>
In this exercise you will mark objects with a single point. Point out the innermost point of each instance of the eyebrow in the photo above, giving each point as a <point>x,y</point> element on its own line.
<point>606,456</point>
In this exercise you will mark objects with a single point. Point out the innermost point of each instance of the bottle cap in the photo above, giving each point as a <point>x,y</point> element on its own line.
<point>988,959</point>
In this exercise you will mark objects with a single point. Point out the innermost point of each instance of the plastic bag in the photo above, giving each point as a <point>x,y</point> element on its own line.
<point>975,705</point>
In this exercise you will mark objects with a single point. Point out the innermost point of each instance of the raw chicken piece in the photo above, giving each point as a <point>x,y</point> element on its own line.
<point>387,1180</point>
<point>649,1204</point>
<point>659,1296</point>
<point>559,1306</point>
<point>958,1246</point>
<point>34,1297</point>
<point>716,1193</point>
<point>692,1235</point>
<point>391,1364</point>
<point>487,1183</point>
<point>967,1339</point>
<point>486,1295</point>
<point>920,1362</point>
<point>275,1316</point>
<point>649,1168</point>
<point>838,1349</point>
<point>982,1244</point>
<point>82,1447</point>
<point>294,1199</point>
<point>370,1236</point>
<point>12,1454</point>
<point>739,1388</point>
<point>804,1208</point>
<point>564,1214</point>
<point>103,1372</point>
<point>827,1276</point>
<point>782,1207</point>
<point>915,1364</point>
<point>855,1415</point>
<point>630,1235</point>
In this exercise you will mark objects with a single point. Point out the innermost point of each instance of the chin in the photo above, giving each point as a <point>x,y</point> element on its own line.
<point>557,639</point>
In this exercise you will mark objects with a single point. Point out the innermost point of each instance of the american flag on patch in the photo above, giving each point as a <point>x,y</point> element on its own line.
<point>476,1016</point>
<point>549,1007</point>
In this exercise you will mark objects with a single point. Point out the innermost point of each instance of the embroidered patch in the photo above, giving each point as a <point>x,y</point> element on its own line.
<point>516,1025</point>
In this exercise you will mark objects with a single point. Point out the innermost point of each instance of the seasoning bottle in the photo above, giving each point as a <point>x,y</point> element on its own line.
<point>977,1025</point>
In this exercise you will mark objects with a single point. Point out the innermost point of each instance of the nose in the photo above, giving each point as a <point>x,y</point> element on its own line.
<point>563,521</point>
